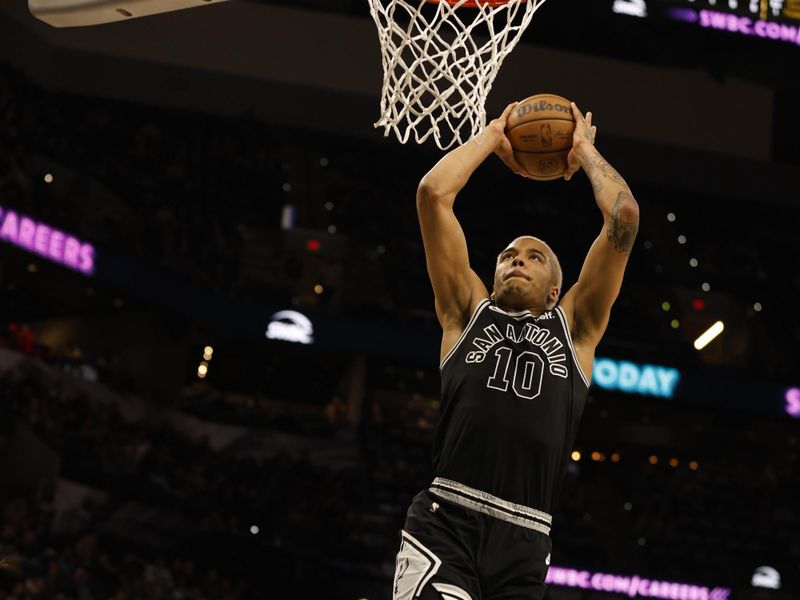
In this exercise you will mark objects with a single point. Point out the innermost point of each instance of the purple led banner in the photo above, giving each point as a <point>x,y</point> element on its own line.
<point>793,402</point>
<point>46,241</point>
<point>633,586</point>
<point>711,19</point>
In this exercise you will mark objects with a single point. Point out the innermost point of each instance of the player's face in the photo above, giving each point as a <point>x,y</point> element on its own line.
<point>523,278</point>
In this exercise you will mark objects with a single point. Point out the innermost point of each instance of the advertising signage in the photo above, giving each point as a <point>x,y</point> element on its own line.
<point>290,326</point>
<point>777,20</point>
<point>632,378</point>
<point>792,398</point>
<point>633,586</point>
<point>46,241</point>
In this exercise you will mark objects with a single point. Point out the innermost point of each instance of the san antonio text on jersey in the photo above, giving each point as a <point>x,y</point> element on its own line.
<point>512,397</point>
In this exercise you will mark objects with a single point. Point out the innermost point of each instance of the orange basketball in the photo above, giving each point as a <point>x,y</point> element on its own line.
<point>540,130</point>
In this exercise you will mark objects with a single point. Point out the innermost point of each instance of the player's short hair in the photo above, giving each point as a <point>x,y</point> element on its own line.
<point>555,266</point>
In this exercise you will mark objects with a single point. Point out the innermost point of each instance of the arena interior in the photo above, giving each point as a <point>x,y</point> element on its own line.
<point>169,430</point>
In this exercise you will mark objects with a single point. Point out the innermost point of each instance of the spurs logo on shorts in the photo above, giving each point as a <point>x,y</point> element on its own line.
<point>415,566</point>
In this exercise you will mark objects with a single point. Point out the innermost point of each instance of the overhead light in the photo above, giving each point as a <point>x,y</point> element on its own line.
<point>576,456</point>
<point>709,335</point>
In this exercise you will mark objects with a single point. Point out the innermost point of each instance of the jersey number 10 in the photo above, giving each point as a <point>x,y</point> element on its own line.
<point>526,381</point>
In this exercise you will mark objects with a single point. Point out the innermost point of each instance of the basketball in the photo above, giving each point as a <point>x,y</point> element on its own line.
<point>540,130</point>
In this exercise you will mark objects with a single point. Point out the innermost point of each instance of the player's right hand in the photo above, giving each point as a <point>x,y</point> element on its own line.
<point>503,147</point>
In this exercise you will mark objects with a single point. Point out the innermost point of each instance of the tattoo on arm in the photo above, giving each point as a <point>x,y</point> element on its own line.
<point>600,170</point>
<point>608,171</point>
<point>620,231</point>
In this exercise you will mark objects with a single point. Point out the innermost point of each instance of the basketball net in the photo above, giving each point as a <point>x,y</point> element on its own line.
<point>439,63</point>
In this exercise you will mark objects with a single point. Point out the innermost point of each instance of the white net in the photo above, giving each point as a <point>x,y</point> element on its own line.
<point>439,63</point>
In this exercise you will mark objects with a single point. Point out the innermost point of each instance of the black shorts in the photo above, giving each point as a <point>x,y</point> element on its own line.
<point>490,551</point>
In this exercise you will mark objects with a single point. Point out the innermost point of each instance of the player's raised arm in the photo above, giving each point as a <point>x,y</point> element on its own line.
<point>599,283</point>
<point>455,284</point>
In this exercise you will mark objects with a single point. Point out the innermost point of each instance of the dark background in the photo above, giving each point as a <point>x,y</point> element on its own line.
<point>177,144</point>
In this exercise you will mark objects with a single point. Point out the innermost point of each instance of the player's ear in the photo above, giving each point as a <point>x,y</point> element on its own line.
<point>553,297</point>
<point>491,297</point>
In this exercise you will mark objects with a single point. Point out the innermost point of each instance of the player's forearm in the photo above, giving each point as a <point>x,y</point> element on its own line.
<point>452,172</point>
<point>619,207</point>
<point>610,190</point>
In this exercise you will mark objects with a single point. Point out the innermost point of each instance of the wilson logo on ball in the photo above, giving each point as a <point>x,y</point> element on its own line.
<point>525,109</point>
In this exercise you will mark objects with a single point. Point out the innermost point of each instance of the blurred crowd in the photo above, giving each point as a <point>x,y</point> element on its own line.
<point>200,496</point>
<point>708,522</point>
<point>78,564</point>
<point>204,197</point>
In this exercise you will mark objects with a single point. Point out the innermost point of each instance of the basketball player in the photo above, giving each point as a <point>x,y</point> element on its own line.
<point>515,368</point>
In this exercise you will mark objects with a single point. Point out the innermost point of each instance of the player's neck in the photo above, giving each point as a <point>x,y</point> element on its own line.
<point>519,308</point>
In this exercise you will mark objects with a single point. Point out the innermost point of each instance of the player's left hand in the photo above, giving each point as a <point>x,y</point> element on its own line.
<point>582,140</point>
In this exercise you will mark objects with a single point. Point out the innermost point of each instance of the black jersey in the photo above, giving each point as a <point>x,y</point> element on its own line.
<point>512,397</point>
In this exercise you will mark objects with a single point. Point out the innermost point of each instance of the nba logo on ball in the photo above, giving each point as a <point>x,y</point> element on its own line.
<point>547,135</point>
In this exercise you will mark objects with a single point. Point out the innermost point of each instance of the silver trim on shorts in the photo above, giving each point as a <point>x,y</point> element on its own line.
<point>468,497</point>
